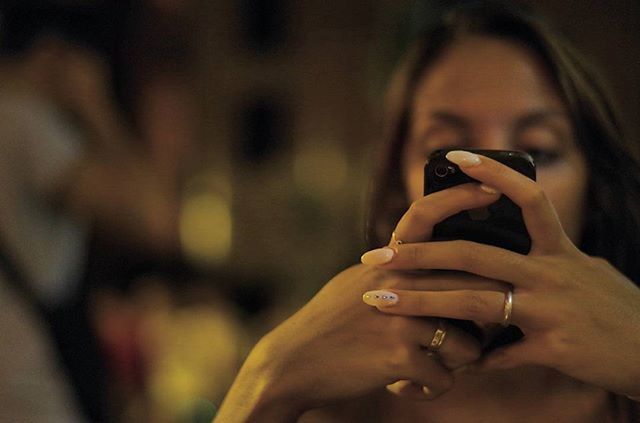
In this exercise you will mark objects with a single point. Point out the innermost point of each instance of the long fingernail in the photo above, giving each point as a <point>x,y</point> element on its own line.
<point>427,392</point>
<point>378,256</point>
<point>488,189</point>
<point>380,298</point>
<point>463,158</point>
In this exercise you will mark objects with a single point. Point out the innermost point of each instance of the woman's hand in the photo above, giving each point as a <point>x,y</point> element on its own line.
<point>579,314</point>
<point>337,348</point>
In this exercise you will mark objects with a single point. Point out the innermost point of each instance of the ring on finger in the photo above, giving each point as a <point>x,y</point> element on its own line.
<point>395,241</point>
<point>507,308</point>
<point>438,337</point>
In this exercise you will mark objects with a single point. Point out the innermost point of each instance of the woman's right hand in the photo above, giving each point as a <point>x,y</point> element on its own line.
<point>336,348</point>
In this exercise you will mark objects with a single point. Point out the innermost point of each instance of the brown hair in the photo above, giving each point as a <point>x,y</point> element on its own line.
<point>612,221</point>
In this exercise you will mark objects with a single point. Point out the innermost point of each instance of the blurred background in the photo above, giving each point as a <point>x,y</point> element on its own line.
<point>178,176</point>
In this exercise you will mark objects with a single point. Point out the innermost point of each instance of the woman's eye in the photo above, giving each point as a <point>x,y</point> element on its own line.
<point>543,157</point>
<point>442,144</point>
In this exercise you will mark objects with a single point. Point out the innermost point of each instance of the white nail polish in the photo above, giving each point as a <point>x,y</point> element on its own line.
<point>378,256</point>
<point>488,189</point>
<point>426,391</point>
<point>380,298</point>
<point>463,158</point>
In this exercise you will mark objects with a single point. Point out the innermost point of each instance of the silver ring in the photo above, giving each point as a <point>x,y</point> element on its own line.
<point>508,308</point>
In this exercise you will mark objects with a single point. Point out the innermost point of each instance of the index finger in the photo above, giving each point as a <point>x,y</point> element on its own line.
<point>416,225</point>
<point>539,215</point>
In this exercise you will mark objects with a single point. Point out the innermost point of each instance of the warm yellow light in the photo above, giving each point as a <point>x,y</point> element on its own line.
<point>206,228</point>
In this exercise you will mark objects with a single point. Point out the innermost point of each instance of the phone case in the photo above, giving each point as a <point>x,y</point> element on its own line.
<point>500,224</point>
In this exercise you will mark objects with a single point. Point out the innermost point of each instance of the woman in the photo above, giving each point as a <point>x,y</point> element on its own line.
<point>493,78</point>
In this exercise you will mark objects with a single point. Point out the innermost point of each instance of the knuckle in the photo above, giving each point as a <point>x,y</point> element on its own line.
<point>467,257</point>
<point>410,283</point>
<point>398,332</point>
<point>559,345</point>
<point>397,325</point>
<point>475,305</point>
<point>559,280</point>
<point>421,211</point>
<point>415,254</point>
<point>395,281</point>
<point>413,216</point>
<point>370,277</point>
<point>510,260</point>
<point>462,357</point>
<point>421,304</point>
<point>400,357</point>
<point>471,354</point>
<point>413,208</point>
<point>535,198</point>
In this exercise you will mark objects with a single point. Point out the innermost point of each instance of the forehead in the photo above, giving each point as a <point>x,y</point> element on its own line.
<point>486,77</point>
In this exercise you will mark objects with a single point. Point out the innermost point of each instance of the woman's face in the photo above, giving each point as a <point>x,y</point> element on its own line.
<point>493,94</point>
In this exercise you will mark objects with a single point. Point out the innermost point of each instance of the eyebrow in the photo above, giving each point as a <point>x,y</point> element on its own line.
<point>529,119</point>
<point>451,119</point>
<point>538,117</point>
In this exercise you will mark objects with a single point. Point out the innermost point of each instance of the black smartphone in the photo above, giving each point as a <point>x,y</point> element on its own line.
<point>500,224</point>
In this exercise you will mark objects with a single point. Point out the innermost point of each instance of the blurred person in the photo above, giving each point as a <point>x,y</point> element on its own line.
<point>33,386</point>
<point>67,166</point>
<point>487,76</point>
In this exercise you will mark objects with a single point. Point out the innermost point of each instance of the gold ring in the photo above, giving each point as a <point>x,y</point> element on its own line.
<point>508,308</point>
<point>395,241</point>
<point>438,337</point>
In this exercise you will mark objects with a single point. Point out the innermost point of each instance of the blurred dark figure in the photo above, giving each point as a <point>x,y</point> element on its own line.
<point>67,167</point>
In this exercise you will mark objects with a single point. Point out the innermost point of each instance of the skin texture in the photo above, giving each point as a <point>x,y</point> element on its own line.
<point>493,87</point>
<point>569,299</point>
<point>482,93</point>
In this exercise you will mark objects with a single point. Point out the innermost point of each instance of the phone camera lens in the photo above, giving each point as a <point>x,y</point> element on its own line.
<point>441,171</point>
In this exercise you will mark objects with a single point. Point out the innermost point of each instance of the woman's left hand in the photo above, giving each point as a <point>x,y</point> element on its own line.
<point>579,314</point>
